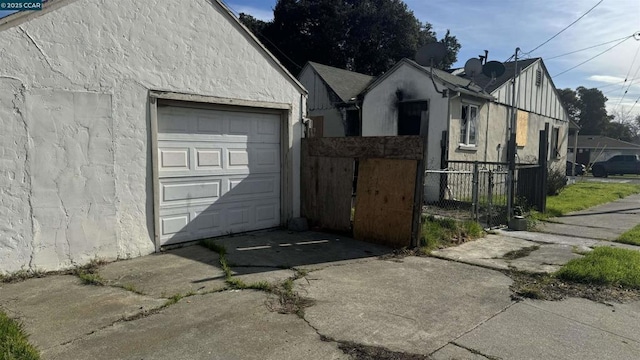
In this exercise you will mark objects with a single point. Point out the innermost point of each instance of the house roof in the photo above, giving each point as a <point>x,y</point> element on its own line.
<point>599,142</point>
<point>18,18</point>
<point>346,84</point>
<point>510,68</point>
<point>452,82</point>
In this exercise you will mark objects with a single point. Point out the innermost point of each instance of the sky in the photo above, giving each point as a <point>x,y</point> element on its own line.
<point>501,26</point>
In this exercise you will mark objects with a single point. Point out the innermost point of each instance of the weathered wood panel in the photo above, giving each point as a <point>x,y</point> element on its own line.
<point>326,188</point>
<point>389,147</point>
<point>384,201</point>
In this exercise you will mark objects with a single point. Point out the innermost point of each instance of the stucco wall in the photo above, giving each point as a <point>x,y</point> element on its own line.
<point>75,166</point>
<point>380,114</point>
<point>493,134</point>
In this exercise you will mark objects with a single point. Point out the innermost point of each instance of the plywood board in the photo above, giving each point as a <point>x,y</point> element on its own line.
<point>384,201</point>
<point>326,185</point>
<point>522,128</point>
<point>390,147</point>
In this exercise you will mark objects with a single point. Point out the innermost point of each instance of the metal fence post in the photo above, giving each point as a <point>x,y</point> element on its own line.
<point>474,191</point>
<point>490,200</point>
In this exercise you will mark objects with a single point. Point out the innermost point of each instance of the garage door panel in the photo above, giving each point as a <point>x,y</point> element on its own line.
<point>264,187</point>
<point>208,159</point>
<point>174,224</point>
<point>180,191</point>
<point>203,221</point>
<point>195,190</point>
<point>238,159</point>
<point>219,172</point>
<point>172,159</point>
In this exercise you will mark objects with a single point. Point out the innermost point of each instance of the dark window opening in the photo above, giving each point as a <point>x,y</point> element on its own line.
<point>410,117</point>
<point>353,123</point>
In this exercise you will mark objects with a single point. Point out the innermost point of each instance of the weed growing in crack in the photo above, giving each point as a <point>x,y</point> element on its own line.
<point>213,246</point>
<point>131,288</point>
<point>90,278</point>
<point>21,275</point>
<point>285,300</point>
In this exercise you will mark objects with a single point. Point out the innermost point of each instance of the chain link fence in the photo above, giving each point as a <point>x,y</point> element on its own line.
<point>474,191</point>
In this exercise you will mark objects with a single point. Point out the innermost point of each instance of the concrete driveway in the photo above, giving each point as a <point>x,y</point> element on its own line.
<point>176,305</point>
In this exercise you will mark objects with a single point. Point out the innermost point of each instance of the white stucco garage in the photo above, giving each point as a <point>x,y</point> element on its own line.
<point>127,128</point>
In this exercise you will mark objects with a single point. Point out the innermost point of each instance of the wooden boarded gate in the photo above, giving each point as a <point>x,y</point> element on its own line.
<point>389,187</point>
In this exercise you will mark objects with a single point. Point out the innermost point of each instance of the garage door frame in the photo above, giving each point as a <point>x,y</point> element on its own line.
<point>216,103</point>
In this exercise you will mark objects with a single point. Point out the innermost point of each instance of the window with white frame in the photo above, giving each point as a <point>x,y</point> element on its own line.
<point>468,125</point>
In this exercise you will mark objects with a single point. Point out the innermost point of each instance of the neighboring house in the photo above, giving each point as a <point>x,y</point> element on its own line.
<point>332,103</point>
<point>592,148</point>
<point>129,128</point>
<point>472,117</point>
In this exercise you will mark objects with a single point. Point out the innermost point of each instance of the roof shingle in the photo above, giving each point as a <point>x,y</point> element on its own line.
<point>346,84</point>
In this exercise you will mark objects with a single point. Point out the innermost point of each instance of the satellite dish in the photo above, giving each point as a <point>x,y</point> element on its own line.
<point>431,54</point>
<point>472,67</point>
<point>493,69</point>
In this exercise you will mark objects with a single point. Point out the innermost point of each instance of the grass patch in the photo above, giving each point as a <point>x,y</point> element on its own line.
<point>14,342</point>
<point>438,233</point>
<point>630,237</point>
<point>605,266</point>
<point>584,195</point>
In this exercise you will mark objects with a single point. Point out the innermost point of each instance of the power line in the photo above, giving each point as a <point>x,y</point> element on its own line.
<point>568,26</point>
<point>632,106</point>
<point>627,76</point>
<point>632,82</point>
<point>593,57</point>
<point>587,48</point>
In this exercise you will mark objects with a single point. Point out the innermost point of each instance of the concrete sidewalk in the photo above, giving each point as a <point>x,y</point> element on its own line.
<point>603,222</point>
<point>413,305</point>
<point>558,241</point>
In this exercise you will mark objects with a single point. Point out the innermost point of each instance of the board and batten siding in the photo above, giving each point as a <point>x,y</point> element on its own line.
<point>537,99</point>
<point>322,102</point>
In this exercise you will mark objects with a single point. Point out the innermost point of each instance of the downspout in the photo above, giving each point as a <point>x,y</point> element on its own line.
<point>457,95</point>
<point>486,135</point>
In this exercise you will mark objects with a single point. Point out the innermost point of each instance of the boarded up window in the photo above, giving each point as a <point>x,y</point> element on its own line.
<point>522,128</point>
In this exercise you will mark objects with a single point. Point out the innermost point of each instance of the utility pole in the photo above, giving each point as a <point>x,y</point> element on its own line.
<point>511,145</point>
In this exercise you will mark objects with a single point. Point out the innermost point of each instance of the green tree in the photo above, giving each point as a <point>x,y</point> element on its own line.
<point>593,117</point>
<point>569,99</point>
<point>587,108</point>
<point>367,36</point>
<point>619,130</point>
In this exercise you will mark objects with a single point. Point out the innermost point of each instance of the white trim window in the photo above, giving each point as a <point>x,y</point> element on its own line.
<point>468,125</point>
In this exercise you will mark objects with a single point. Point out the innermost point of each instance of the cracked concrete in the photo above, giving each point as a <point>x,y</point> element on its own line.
<point>412,305</point>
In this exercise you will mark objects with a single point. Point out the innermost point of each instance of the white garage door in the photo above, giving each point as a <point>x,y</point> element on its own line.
<point>219,172</point>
